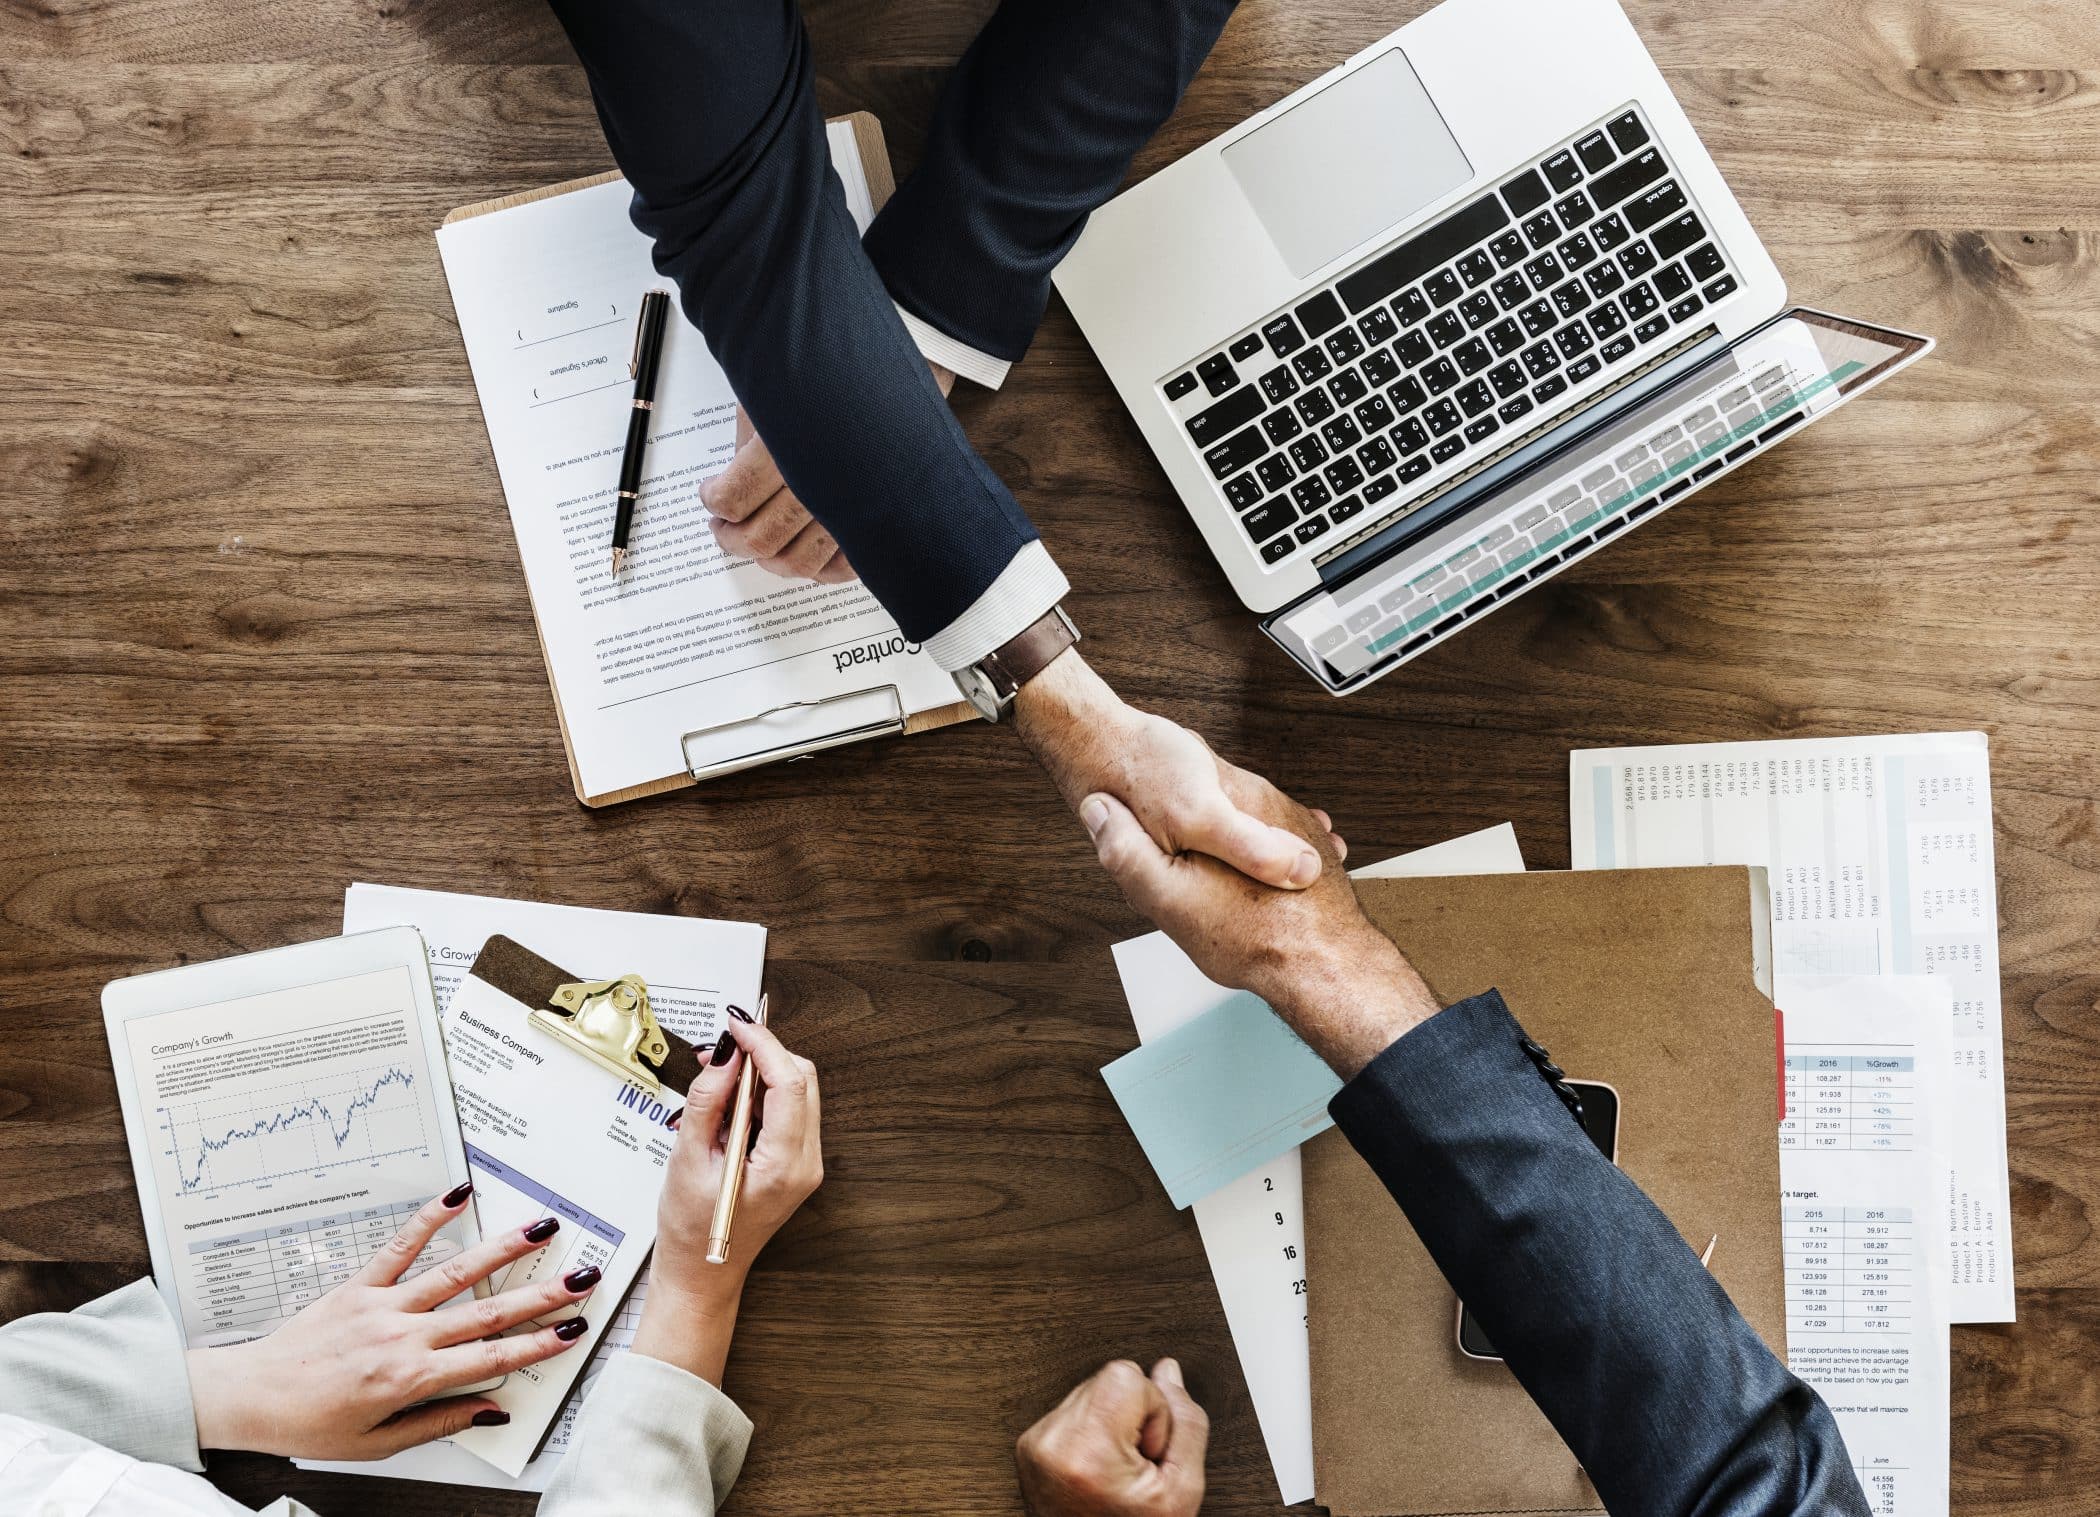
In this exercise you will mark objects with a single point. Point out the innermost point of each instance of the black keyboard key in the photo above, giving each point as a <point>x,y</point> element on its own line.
<point>1447,450</point>
<point>1578,252</point>
<point>1573,340</point>
<point>1616,349</point>
<point>1446,328</point>
<point>1321,314</point>
<point>1542,231</point>
<point>1609,232</point>
<point>1583,368</point>
<point>1482,429</point>
<point>1472,356</point>
<point>1442,287</point>
<point>1540,360</point>
<point>1407,395</point>
<point>1672,282</point>
<point>1342,510</point>
<point>1478,309</point>
<point>1640,301</point>
<point>1562,171</point>
<point>1658,205</point>
<point>1637,260</point>
<point>1509,250</point>
<point>1514,407</point>
<point>1505,337</point>
<point>1544,272</point>
<point>1278,548</point>
<point>1344,474</point>
<point>1570,298</point>
<point>1574,211</point>
<point>1375,414</point>
<point>1526,193</point>
<point>1274,473</point>
<point>1229,414</point>
<point>1687,308</point>
<point>1381,368</point>
<point>1636,173</point>
<point>1507,379</point>
<point>1308,453</point>
<point>1627,132</point>
<point>1243,491</point>
<point>1246,347</point>
<point>1180,385</point>
<point>1312,365</point>
<point>1235,453</point>
<point>1441,417</point>
<point>1440,376</point>
<point>1284,336</point>
<point>1347,388</point>
<point>1476,268</point>
<point>1652,328</point>
<point>1414,349</point>
<point>1705,263</point>
<point>1217,374</point>
<point>1282,425</point>
<point>1417,256</point>
<point>1306,531</point>
<point>1342,434</point>
<point>1410,437</point>
<point>1476,398</point>
<point>1378,489</point>
<point>1377,326</point>
<point>1606,319</point>
<point>1604,279</point>
<point>1411,307</point>
<point>1345,346</point>
<point>1311,493</point>
<point>1596,152</point>
<point>1511,291</point>
<point>1720,289</point>
<point>1377,455</point>
<point>1538,319</point>
<point>1548,389</point>
<point>1413,469</point>
<point>1278,384</point>
<point>1270,519</point>
<point>1314,406</point>
<point>1677,234</point>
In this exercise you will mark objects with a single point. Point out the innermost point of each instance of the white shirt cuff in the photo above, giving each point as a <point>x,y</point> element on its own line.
<point>1023,593</point>
<point>938,347</point>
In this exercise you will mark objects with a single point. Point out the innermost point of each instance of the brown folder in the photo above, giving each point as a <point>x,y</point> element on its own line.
<point>1646,980</point>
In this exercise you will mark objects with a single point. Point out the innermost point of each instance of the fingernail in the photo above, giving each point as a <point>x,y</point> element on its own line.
<point>672,1120</point>
<point>542,1230</point>
<point>1306,870</point>
<point>571,1330</point>
<point>740,1014</point>
<point>1093,815</point>
<point>723,1049</point>
<point>459,1193</point>
<point>1171,1369</point>
<point>490,1416</point>
<point>581,1279</point>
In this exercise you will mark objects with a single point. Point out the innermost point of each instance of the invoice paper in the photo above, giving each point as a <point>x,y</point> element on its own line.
<point>1253,1228</point>
<point>694,969</point>
<point>1881,863</point>
<point>1863,1157</point>
<point>689,638</point>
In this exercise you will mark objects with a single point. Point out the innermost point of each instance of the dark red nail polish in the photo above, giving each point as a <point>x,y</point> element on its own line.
<point>672,1120</point>
<point>490,1416</point>
<point>581,1279</point>
<point>740,1014</point>
<point>542,1230</point>
<point>459,1193</point>
<point>723,1050</point>
<point>571,1330</point>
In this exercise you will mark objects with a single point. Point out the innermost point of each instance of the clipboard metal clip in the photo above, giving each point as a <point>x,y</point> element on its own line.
<point>787,728</point>
<point>610,1023</point>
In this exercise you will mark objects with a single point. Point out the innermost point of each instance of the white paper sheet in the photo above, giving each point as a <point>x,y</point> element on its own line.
<point>1863,1162</point>
<point>690,638</point>
<point>674,954</point>
<point>1253,1229</point>
<point>1881,863</point>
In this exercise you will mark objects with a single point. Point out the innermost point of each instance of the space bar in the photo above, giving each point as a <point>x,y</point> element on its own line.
<point>1411,260</point>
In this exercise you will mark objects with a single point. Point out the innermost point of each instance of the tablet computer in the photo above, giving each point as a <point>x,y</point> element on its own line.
<point>287,1112</point>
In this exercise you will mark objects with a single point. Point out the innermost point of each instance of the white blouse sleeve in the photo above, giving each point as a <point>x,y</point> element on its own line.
<point>652,1438</point>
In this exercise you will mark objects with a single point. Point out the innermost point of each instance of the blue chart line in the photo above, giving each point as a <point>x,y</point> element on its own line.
<point>338,1127</point>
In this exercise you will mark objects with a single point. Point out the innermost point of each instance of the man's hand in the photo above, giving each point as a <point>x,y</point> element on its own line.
<point>1122,1444</point>
<point>758,517</point>
<point>1187,798</point>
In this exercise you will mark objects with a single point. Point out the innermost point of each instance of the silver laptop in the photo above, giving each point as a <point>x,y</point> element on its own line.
<point>1444,321</point>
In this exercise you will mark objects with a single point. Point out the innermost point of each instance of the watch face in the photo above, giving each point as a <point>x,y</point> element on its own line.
<point>977,690</point>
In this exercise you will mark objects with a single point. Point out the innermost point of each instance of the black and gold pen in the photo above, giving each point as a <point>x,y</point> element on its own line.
<point>648,349</point>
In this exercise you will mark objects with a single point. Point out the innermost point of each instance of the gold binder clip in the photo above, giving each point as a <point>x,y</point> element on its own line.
<point>609,1021</point>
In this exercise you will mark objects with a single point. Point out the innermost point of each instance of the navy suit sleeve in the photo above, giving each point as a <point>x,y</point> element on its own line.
<point>1036,127</point>
<point>1626,1343</point>
<point>711,114</point>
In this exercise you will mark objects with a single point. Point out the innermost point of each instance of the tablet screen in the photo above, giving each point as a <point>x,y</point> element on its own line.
<point>290,1135</point>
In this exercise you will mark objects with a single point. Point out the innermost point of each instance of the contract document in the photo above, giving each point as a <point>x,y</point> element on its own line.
<point>1863,1159</point>
<point>1881,862</point>
<point>690,640</point>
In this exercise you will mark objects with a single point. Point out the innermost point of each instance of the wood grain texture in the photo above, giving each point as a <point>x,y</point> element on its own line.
<point>263,633</point>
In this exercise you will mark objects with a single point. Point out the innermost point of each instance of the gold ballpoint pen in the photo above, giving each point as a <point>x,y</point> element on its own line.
<point>738,1144</point>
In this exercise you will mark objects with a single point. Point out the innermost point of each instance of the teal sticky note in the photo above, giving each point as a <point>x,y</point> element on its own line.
<point>1221,1095</point>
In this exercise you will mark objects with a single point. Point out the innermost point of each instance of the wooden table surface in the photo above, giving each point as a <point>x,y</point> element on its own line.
<point>263,633</point>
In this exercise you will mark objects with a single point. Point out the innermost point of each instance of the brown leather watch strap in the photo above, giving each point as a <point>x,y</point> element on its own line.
<point>1025,655</point>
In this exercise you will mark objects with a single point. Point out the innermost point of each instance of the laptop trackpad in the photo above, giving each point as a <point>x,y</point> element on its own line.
<point>1367,151</point>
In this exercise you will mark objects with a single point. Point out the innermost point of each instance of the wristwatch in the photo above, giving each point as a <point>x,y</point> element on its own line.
<point>993,681</point>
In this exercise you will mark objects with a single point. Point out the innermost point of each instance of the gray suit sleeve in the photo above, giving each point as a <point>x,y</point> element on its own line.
<point>112,1371</point>
<point>652,1438</point>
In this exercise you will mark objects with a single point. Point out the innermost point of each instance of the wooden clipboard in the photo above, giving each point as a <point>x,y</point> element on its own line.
<point>875,165</point>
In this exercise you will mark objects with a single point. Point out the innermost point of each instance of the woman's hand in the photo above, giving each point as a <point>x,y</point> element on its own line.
<point>344,1378</point>
<point>691,1309</point>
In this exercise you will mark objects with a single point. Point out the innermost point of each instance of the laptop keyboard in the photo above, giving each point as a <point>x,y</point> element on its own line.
<point>1443,348</point>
